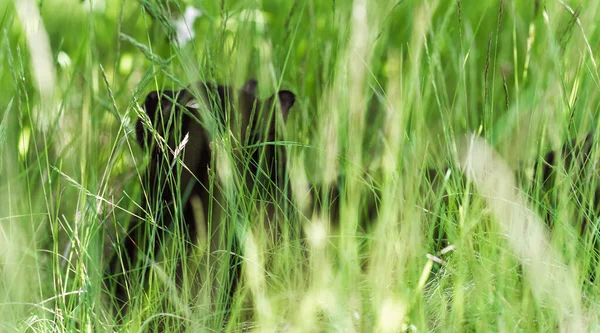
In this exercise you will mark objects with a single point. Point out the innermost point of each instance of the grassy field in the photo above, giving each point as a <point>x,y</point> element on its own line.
<point>385,90</point>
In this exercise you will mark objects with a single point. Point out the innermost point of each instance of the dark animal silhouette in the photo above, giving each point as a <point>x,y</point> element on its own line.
<point>571,178</point>
<point>199,114</point>
<point>568,176</point>
<point>576,165</point>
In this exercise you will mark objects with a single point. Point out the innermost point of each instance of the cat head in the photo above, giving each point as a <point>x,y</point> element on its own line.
<point>187,121</point>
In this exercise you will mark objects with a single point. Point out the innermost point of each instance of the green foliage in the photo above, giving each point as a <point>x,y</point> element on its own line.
<point>384,89</point>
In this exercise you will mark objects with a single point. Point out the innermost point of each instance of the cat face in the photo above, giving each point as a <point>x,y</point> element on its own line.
<point>183,124</point>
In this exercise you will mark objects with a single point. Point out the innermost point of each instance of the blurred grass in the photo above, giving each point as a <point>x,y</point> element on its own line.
<point>386,86</point>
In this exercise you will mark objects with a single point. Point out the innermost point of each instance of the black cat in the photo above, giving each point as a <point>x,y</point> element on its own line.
<point>568,177</point>
<point>178,130</point>
<point>571,178</point>
<point>577,167</point>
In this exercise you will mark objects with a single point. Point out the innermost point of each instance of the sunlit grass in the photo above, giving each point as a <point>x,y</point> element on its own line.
<point>385,93</point>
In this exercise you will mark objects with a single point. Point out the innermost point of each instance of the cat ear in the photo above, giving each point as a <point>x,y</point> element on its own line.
<point>155,102</point>
<point>151,104</point>
<point>152,96</point>
<point>286,101</point>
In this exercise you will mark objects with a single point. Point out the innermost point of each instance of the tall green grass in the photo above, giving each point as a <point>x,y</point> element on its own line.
<point>385,90</point>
